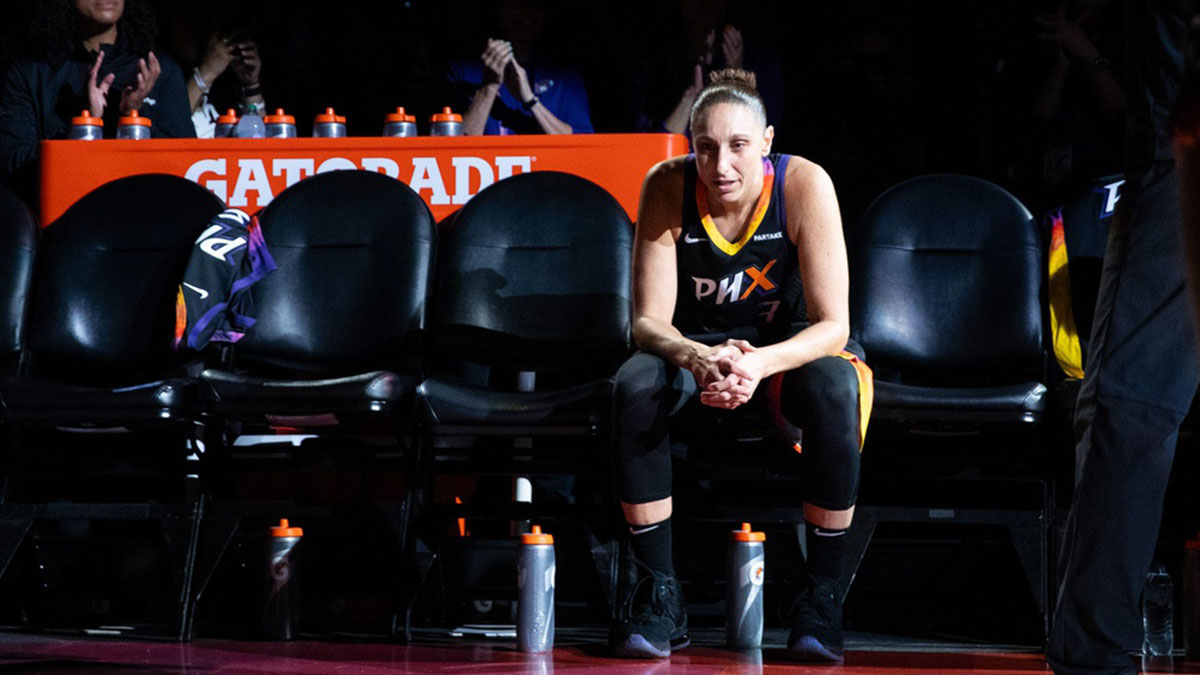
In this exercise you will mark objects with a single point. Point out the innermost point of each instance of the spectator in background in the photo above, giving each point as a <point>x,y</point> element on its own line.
<point>665,83</point>
<point>93,55</point>
<point>205,36</point>
<point>514,88</point>
<point>221,55</point>
<point>1076,120</point>
<point>874,139</point>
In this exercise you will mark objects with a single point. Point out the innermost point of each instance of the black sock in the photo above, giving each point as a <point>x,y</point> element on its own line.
<point>652,545</point>
<point>825,548</point>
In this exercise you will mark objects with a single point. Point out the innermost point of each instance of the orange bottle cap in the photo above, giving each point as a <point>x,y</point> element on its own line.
<point>328,117</point>
<point>279,117</point>
<point>536,537</point>
<point>85,118</point>
<point>400,116</point>
<point>446,116</point>
<point>230,117</point>
<point>134,118</point>
<point>285,530</point>
<point>745,534</point>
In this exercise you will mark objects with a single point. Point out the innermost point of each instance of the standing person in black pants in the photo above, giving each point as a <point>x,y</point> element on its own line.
<point>1142,372</point>
<point>740,298</point>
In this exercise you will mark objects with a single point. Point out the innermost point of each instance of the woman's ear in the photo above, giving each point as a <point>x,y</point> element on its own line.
<point>768,137</point>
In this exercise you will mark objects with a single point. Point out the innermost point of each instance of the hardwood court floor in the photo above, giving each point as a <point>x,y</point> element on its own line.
<point>577,653</point>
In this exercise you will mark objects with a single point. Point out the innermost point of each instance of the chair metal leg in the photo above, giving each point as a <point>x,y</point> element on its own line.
<point>12,533</point>
<point>221,528</point>
<point>857,540</point>
<point>1032,550</point>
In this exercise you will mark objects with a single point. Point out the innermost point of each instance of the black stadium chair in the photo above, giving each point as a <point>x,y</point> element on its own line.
<point>101,413</point>
<point>533,294</point>
<point>18,243</point>
<point>335,355</point>
<point>947,275</point>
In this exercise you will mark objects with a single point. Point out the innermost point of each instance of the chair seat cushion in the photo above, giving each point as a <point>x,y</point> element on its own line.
<point>446,400</point>
<point>27,399</point>
<point>375,391</point>
<point>1024,400</point>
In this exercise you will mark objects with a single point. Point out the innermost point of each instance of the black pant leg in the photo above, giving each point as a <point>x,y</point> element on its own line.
<point>821,398</point>
<point>648,392</point>
<point>1139,382</point>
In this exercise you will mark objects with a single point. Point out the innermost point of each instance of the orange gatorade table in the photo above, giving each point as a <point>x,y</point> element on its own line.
<point>446,171</point>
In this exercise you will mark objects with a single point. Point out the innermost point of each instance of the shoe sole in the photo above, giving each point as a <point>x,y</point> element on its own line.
<point>809,648</point>
<point>638,647</point>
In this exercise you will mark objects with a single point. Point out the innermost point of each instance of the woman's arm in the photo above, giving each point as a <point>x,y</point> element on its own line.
<point>19,121</point>
<point>654,280</point>
<point>815,224</point>
<point>516,80</point>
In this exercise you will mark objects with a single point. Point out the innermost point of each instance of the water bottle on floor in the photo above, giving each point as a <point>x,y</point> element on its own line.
<point>1158,610</point>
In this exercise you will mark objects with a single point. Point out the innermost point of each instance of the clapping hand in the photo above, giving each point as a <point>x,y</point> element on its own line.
<point>1067,35</point>
<point>98,91</point>
<point>496,57</point>
<point>148,71</point>
<point>246,62</point>
<point>732,47</point>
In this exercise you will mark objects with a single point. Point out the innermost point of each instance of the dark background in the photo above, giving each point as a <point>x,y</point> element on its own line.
<point>875,91</point>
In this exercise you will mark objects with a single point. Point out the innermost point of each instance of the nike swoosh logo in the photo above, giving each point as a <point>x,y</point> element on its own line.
<point>203,293</point>
<point>689,239</point>
<point>643,530</point>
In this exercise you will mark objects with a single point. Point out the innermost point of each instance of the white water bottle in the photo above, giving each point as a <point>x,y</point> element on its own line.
<point>1158,610</point>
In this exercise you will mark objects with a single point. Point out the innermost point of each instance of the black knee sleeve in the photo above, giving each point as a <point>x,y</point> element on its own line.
<point>821,398</point>
<point>647,392</point>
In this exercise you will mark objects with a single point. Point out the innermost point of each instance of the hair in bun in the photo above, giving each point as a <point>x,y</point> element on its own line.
<point>730,85</point>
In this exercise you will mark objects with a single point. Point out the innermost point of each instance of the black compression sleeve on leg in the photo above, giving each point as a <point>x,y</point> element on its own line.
<point>647,392</point>
<point>821,397</point>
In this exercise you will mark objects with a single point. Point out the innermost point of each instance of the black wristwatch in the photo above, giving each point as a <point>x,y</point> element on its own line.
<point>528,105</point>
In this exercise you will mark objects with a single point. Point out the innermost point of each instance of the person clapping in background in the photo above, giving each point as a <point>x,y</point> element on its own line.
<point>221,55</point>
<point>93,55</point>
<point>513,88</point>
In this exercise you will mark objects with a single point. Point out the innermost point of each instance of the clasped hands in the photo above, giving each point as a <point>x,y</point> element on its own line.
<point>728,373</point>
<point>500,67</point>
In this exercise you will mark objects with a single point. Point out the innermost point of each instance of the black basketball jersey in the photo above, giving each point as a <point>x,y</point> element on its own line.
<point>747,289</point>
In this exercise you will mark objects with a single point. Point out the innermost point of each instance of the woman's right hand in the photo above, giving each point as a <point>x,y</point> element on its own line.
<point>495,59</point>
<point>217,57</point>
<point>98,91</point>
<point>706,364</point>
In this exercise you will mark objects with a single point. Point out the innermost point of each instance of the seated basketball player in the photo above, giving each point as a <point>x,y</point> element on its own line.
<point>740,299</point>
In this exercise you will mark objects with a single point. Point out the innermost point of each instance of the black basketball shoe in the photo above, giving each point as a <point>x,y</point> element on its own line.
<point>817,623</point>
<point>653,621</point>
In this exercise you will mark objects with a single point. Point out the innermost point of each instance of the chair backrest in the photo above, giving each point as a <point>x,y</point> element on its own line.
<point>107,276</point>
<point>946,277</point>
<point>355,253</point>
<point>18,244</point>
<point>534,274</point>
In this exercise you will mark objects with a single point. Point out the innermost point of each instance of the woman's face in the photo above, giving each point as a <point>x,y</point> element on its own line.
<point>730,142</point>
<point>100,12</point>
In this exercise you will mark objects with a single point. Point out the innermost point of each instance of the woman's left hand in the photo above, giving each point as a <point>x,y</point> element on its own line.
<point>148,71</point>
<point>516,81</point>
<point>731,47</point>
<point>739,384</point>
